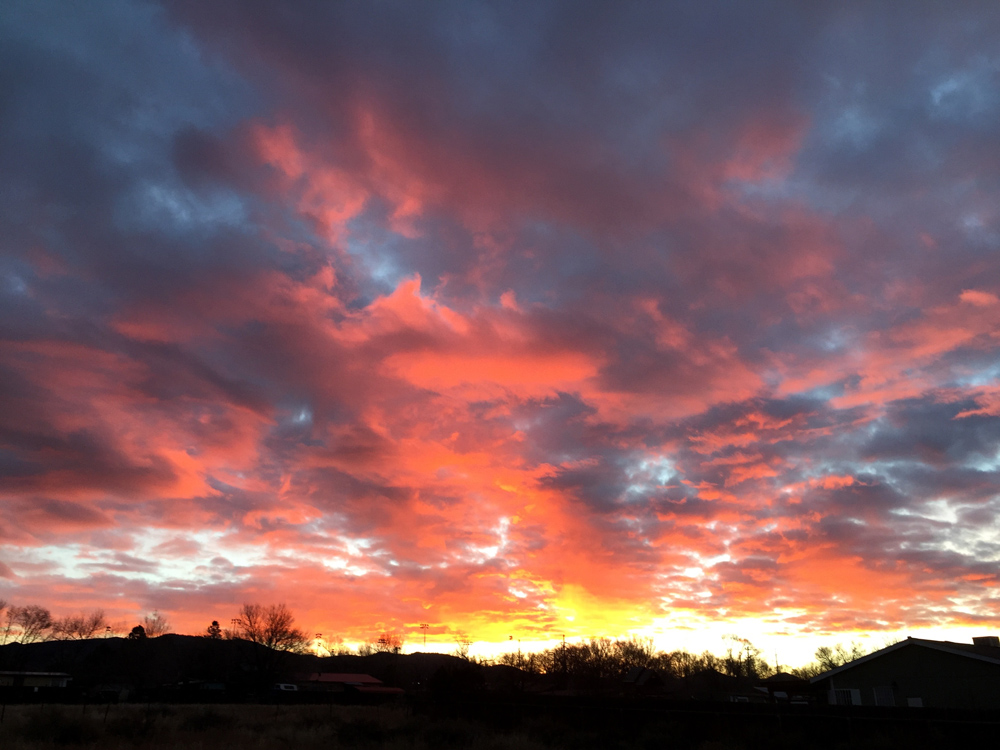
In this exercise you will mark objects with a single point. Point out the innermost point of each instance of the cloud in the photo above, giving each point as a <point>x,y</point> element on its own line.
<point>495,316</point>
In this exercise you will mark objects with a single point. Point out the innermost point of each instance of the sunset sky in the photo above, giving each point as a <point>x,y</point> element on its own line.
<point>517,319</point>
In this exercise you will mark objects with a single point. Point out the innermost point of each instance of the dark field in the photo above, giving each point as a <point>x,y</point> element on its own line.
<point>176,727</point>
<point>491,726</point>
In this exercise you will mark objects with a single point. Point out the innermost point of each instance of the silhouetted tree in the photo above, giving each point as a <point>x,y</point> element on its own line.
<point>684,664</point>
<point>743,659</point>
<point>389,643</point>
<point>137,633</point>
<point>214,631</point>
<point>32,621</point>
<point>272,626</point>
<point>462,645</point>
<point>831,658</point>
<point>79,627</point>
<point>527,661</point>
<point>8,622</point>
<point>633,652</point>
<point>155,625</point>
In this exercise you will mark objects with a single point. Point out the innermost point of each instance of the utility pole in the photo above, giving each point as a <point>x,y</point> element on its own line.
<point>424,626</point>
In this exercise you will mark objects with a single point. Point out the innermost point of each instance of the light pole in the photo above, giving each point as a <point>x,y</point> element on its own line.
<point>424,626</point>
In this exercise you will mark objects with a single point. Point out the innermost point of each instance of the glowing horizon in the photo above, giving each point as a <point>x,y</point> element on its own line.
<point>529,319</point>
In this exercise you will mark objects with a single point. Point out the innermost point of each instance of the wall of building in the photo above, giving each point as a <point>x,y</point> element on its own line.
<point>935,678</point>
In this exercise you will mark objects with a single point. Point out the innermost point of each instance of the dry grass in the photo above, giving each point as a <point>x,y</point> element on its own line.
<point>175,727</point>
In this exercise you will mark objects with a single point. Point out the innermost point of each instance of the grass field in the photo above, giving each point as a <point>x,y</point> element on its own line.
<point>182,727</point>
<point>502,727</point>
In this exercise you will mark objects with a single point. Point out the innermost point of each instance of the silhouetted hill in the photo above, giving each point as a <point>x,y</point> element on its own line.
<point>176,660</point>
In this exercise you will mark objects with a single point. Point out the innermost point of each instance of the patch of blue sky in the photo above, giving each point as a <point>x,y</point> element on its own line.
<point>14,284</point>
<point>987,376</point>
<point>966,95</point>
<point>978,230</point>
<point>824,393</point>
<point>777,189</point>
<point>838,339</point>
<point>168,83</point>
<point>175,210</point>
<point>377,249</point>
<point>853,126</point>
<point>987,464</point>
<point>648,475</point>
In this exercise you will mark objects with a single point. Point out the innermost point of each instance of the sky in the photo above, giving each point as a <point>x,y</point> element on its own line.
<point>517,319</point>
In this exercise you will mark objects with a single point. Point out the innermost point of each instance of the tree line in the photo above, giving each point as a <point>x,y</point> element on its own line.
<point>31,623</point>
<point>599,659</point>
<point>273,626</point>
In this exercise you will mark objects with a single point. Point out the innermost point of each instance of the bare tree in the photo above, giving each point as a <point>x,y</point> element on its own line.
<point>155,625</point>
<point>32,620</point>
<point>831,658</point>
<point>462,645</point>
<point>272,626</point>
<point>743,659</point>
<point>79,627</point>
<point>389,642</point>
<point>634,651</point>
<point>8,626</point>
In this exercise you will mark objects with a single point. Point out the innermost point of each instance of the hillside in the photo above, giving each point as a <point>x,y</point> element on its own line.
<point>176,660</point>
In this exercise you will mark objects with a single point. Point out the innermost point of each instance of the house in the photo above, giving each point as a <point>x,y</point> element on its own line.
<point>918,672</point>
<point>34,680</point>
<point>334,682</point>
<point>787,688</point>
<point>712,685</point>
<point>642,681</point>
<point>32,685</point>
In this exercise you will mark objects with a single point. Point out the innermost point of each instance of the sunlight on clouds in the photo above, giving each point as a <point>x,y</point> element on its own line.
<point>314,322</point>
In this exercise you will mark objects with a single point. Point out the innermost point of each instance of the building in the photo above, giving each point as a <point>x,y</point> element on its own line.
<point>787,688</point>
<point>357,684</point>
<point>918,673</point>
<point>32,685</point>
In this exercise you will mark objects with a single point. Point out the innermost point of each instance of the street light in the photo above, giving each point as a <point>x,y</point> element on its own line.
<point>424,626</point>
